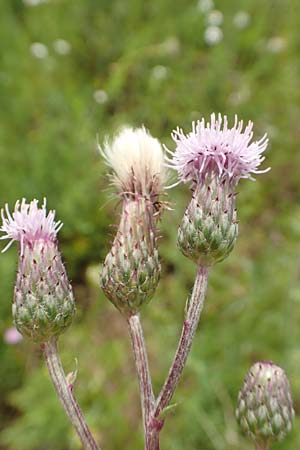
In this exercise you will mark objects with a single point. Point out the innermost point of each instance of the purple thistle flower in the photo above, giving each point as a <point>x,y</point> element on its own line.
<point>213,149</point>
<point>29,223</point>
<point>43,305</point>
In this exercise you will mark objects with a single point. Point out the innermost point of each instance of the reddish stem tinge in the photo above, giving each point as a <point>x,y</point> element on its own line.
<point>152,410</point>
<point>142,368</point>
<point>195,306</point>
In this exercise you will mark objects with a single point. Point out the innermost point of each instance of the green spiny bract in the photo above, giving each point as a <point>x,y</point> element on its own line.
<point>43,305</point>
<point>131,270</point>
<point>209,228</point>
<point>265,408</point>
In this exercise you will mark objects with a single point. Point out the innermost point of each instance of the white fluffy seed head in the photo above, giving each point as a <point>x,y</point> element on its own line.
<point>137,162</point>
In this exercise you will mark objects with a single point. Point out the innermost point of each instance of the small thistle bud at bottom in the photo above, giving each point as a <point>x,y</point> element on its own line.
<point>209,228</point>
<point>131,270</point>
<point>43,305</point>
<point>265,408</point>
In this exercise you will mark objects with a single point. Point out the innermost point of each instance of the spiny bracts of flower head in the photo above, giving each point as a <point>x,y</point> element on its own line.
<point>214,149</point>
<point>131,270</point>
<point>265,408</point>
<point>43,305</point>
<point>137,162</point>
<point>209,227</point>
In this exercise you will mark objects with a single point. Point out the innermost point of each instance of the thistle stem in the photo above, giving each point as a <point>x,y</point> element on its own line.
<point>152,410</point>
<point>194,308</point>
<point>142,368</point>
<point>65,394</point>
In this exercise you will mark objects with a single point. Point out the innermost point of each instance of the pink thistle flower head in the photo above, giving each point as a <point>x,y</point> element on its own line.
<point>43,305</point>
<point>214,149</point>
<point>28,224</point>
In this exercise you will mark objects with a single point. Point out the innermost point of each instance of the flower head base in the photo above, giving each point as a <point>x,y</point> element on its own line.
<point>213,149</point>
<point>43,305</point>
<point>137,161</point>
<point>209,227</point>
<point>29,223</point>
<point>265,408</point>
<point>131,270</point>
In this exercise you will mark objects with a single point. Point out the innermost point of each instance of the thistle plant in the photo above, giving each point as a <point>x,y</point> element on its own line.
<point>212,159</point>
<point>131,270</point>
<point>43,305</point>
<point>265,409</point>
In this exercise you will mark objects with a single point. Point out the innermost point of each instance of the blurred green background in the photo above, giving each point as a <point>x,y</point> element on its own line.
<point>72,70</point>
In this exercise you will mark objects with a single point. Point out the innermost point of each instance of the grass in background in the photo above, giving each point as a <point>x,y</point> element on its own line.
<point>70,71</point>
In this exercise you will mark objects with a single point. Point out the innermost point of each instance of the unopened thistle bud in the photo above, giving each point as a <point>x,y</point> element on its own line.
<point>43,305</point>
<point>265,408</point>
<point>131,270</point>
<point>213,158</point>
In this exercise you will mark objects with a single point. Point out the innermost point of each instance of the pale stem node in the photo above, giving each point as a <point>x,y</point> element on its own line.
<point>261,447</point>
<point>152,410</point>
<point>65,394</point>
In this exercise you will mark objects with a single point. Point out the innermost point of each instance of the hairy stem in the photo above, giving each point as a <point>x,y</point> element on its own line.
<point>194,308</point>
<point>65,394</point>
<point>142,368</point>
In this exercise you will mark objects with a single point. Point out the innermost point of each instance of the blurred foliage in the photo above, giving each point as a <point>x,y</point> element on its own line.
<point>150,62</point>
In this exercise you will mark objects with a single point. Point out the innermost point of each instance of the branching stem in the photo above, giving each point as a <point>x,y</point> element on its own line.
<point>152,410</point>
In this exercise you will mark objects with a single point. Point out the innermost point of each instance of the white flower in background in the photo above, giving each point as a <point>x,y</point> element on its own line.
<point>241,19</point>
<point>100,96</point>
<point>62,47</point>
<point>276,44</point>
<point>205,5</point>
<point>240,96</point>
<point>171,46</point>
<point>39,50</point>
<point>215,18</point>
<point>160,72</point>
<point>34,2</point>
<point>213,35</point>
